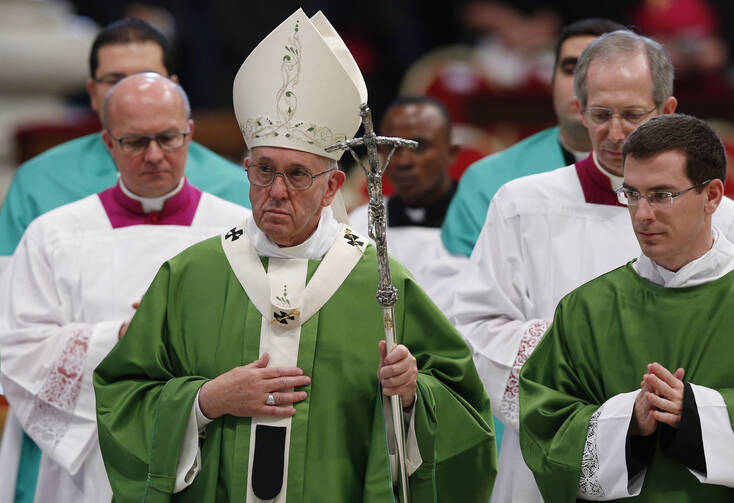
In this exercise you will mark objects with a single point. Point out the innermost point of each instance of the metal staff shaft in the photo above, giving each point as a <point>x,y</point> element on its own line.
<point>387,294</point>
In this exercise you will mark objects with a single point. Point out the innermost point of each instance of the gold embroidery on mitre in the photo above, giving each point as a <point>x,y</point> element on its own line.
<point>286,103</point>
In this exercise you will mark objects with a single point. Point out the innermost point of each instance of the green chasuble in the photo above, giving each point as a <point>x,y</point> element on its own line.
<point>602,338</point>
<point>196,322</point>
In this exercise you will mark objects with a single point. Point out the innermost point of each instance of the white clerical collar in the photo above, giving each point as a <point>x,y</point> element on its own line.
<point>416,214</point>
<point>616,180</point>
<point>151,203</point>
<point>314,248</point>
<point>713,264</point>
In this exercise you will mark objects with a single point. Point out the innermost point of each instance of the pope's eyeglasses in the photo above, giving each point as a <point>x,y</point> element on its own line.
<point>295,178</point>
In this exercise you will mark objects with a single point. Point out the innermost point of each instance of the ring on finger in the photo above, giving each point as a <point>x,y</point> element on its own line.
<point>270,400</point>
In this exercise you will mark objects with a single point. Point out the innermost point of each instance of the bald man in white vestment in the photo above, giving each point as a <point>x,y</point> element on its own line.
<point>77,275</point>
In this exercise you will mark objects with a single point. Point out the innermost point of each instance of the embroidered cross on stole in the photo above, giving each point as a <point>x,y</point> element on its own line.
<point>285,302</point>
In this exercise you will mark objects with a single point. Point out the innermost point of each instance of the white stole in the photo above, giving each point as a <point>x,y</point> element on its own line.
<point>286,302</point>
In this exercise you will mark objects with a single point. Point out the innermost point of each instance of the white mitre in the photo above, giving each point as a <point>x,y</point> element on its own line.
<point>300,88</point>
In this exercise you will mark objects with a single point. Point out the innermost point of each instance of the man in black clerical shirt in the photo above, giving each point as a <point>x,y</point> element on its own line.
<point>423,186</point>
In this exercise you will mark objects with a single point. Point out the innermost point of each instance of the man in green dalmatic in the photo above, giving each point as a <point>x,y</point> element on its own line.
<point>630,394</point>
<point>254,369</point>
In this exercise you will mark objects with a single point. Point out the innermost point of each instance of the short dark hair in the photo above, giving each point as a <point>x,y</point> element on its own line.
<point>412,99</point>
<point>592,27</point>
<point>705,155</point>
<point>129,30</point>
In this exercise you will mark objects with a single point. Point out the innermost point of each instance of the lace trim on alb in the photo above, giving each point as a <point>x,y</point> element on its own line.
<point>589,484</point>
<point>510,405</point>
<point>48,420</point>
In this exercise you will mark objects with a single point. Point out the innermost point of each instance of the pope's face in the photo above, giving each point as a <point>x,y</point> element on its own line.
<point>621,84</point>
<point>288,217</point>
<point>673,235</point>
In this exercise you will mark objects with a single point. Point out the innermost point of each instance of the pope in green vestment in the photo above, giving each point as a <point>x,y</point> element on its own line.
<point>196,322</point>
<point>602,338</point>
<point>293,289</point>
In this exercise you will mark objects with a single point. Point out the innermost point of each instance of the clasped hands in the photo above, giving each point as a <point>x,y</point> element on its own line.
<point>244,390</point>
<point>659,401</point>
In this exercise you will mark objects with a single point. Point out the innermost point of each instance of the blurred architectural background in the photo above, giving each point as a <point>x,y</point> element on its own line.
<point>490,61</point>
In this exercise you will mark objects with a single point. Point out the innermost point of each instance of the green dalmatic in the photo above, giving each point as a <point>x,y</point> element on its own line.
<point>602,338</point>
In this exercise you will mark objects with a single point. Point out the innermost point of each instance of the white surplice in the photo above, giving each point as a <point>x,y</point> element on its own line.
<point>68,288</point>
<point>541,239</point>
<point>606,476</point>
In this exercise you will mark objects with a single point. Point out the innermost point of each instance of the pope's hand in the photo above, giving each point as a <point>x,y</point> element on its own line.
<point>243,391</point>
<point>398,373</point>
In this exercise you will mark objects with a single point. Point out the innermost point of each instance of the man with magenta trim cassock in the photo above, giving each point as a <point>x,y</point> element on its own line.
<point>75,277</point>
<point>549,233</point>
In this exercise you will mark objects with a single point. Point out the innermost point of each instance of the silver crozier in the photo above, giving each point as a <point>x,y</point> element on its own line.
<point>387,294</point>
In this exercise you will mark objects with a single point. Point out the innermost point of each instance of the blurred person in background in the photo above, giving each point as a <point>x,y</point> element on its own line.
<point>84,166</point>
<point>547,150</point>
<point>43,47</point>
<point>423,186</point>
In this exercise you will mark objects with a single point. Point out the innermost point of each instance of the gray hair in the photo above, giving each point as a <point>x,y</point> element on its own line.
<point>104,117</point>
<point>610,46</point>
